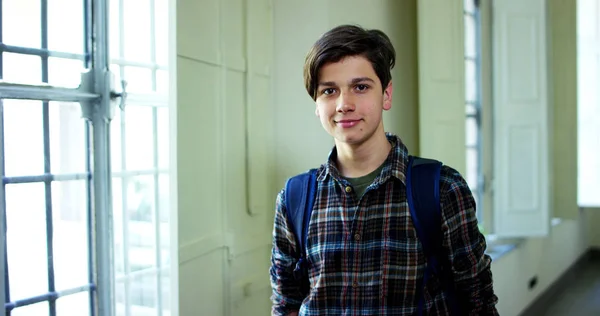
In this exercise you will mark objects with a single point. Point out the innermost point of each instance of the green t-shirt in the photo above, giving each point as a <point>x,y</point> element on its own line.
<point>361,184</point>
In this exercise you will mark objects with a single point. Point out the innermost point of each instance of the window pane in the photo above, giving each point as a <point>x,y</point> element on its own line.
<point>161,39</point>
<point>472,131</point>
<point>164,210</point>
<point>31,310</point>
<point>137,30</point>
<point>162,81</point>
<point>115,141</point>
<point>74,304</point>
<point>470,47</point>
<point>142,231</point>
<point>67,138</point>
<point>114,29</point>
<point>469,6</point>
<point>143,295</point>
<point>23,138</point>
<point>163,137</point>
<point>26,240</point>
<point>166,291</point>
<point>65,26</point>
<point>140,131</point>
<point>120,299</point>
<point>138,79</point>
<point>119,242</point>
<point>470,81</point>
<point>472,166</point>
<point>21,68</point>
<point>471,110</point>
<point>69,206</point>
<point>21,23</point>
<point>65,72</point>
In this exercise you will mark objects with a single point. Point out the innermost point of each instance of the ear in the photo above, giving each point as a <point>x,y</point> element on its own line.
<point>387,97</point>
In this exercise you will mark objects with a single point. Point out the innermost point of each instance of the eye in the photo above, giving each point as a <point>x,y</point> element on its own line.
<point>328,91</point>
<point>362,87</point>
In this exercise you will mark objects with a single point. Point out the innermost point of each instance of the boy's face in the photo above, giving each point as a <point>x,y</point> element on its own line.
<point>350,100</point>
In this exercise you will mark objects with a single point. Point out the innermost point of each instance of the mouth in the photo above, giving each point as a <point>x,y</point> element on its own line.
<point>347,123</point>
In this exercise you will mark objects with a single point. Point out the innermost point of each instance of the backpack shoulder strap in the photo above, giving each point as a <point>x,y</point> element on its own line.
<point>300,194</point>
<point>423,193</point>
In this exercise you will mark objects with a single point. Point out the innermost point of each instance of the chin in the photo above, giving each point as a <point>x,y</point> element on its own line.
<point>349,138</point>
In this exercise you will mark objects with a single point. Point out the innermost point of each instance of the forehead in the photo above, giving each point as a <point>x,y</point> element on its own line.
<point>347,69</point>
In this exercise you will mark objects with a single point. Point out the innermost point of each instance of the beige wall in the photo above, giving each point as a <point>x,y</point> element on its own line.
<point>224,82</point>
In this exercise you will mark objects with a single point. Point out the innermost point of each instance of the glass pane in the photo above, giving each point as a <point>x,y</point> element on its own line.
<point>23,138</point>
<point>26,240</point>
<point>166,292</point>
<point>161,38</point>
<point>472,130</point>
<point>162,129</point>
<point>470,81</point>
<point>471,110</point>
<point>65,72</point>
<point>67,138</point>
<point>141,214</point>
<point>31,310</point>
<point>472,166</point>
<point>162,81</point>
<point>469,6</point>
<point>119,242</point>
<point>142,292</point>
<point>115,141</point>
<point>164,211</point>
<point>139,127</point>
<point>69,211</point>
<point>138,79</point>
<point>120,299</point>
<point>74,304</point>
<point>470,43</point>
<point>136,29</point>
<point>21,68</point>
<point>65,26</point>
<point>21,24</point>
<point>114,29</point>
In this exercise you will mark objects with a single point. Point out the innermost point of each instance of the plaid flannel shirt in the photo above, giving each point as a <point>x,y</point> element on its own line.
<point>364,255</point>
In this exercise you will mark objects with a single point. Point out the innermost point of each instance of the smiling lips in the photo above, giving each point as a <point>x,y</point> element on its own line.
<point>347,123</point>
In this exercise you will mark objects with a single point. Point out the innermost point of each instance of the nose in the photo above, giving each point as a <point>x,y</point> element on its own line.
<point>345,103</point>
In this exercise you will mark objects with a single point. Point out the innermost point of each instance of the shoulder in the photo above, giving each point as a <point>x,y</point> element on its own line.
<point>456,196</point>
<point>451,180</point>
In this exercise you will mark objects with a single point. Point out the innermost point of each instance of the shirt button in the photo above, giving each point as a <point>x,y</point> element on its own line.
<point>355,285</point>
<point>357,237</point>
<point>348,189</point>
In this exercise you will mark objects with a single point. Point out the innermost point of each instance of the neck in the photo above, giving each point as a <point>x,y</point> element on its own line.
<point>361,159</point>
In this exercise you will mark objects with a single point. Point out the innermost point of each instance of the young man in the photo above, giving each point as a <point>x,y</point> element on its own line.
<point>363,253</point>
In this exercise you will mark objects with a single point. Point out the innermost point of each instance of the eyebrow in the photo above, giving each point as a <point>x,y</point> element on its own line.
<point>353,81</point>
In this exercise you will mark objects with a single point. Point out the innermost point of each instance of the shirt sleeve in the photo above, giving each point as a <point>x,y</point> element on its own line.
<point>465,246</point>
<point>286,295</point>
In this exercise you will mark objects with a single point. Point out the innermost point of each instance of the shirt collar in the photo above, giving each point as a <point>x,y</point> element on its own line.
<point>394,165</point>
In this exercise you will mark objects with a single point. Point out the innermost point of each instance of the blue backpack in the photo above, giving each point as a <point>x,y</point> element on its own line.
<point>422,178</point>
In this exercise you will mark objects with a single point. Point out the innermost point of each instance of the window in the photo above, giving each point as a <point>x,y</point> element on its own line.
<point>140,157</point>
<point>474,173</point>
<point>57,184</point>
<point>588,72</point>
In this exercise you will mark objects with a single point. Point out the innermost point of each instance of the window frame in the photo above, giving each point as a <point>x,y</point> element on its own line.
<point>479,189</point>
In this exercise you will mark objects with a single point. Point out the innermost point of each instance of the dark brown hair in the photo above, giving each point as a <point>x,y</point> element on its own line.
<point>349,40</point>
